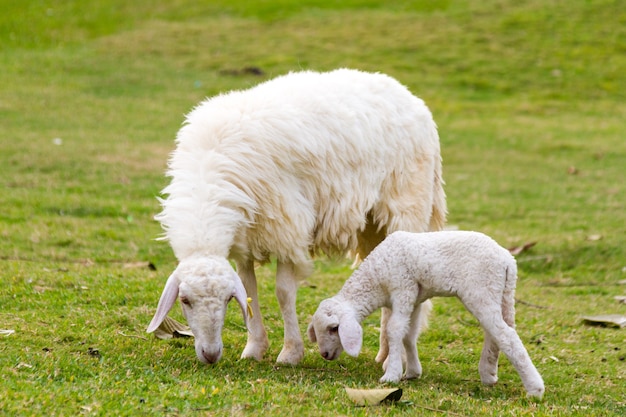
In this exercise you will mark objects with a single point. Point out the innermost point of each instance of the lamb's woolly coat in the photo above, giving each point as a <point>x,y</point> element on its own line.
<point>407,269</point>
<point>304,163</point>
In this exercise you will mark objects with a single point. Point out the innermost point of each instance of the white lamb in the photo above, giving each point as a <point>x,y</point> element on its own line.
<point>407,269</point>
<point>305,163</point>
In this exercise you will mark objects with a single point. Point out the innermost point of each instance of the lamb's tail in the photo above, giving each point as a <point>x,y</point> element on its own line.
<point>508,297</point>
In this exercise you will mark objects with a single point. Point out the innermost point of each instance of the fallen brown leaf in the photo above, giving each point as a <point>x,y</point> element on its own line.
<point>620,299</point>
<point>610,320</point>
<point>139,265</point>
<point>374,396</point>
<point>516,250</point>
<point>170,328</point>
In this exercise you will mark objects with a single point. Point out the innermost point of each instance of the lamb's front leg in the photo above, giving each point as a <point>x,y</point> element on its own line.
<point>286,289</point>
<point>397,327</point>
<point>257,337</point>
<point>413,365</point>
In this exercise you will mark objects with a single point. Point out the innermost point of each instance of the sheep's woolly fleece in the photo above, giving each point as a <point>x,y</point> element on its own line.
<point>293,165</point>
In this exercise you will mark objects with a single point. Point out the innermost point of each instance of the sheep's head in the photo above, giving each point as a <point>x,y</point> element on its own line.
<point>335,328</point>
<point>204,286</point>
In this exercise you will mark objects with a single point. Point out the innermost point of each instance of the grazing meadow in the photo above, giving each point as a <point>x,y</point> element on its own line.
<point>530,100</point>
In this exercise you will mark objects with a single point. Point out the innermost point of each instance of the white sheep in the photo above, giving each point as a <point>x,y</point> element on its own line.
<point>305,163</point>
<point>407,269</point>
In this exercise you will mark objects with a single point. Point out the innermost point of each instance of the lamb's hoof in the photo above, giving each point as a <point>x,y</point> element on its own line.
<point>291,356</point>
<point>390,379</point>
<point>489,380</point>
<point>536,393</point>
<point>253,352</point>
<point>413,375</point>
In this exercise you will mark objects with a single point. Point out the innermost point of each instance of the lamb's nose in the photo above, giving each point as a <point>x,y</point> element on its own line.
<point>325,355</point>
<point>211,357</point>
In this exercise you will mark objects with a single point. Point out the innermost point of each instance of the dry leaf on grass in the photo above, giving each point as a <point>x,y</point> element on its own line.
<point>620,299</point>
<point>170,328</point>
<point>609,320</point>
<point>139,265</point>
<point>519,249</point>
<point>374,396</point>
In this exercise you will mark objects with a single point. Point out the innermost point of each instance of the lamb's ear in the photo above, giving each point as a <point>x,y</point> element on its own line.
<point>241,296</point>
<point>166,302</point>
<point>350,334</point>
<point>311,332</point>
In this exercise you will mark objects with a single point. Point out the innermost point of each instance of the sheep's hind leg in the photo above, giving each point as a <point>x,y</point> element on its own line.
<point>257,336</point>
<point>383,349</point>
<point>286,289</point>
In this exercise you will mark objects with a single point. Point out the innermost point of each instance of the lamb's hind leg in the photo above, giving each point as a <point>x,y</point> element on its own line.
<point>286,289</point>
<point>257,337</point>
<point>509,342</point>
<point>488,365</point>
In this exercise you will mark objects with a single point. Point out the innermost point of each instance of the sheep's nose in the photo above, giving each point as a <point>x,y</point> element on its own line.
<point>325,354</point>
<point>211,357</point>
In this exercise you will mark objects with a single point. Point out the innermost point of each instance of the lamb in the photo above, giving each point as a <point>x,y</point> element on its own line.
<point>407,269</point>
<point>303,164</point>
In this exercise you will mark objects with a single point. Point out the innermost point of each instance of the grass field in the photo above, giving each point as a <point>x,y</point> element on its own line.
<point>530,99</point>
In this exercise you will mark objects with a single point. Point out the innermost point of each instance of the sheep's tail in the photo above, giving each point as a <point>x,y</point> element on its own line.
<point>508,297</point>
<point>439,210</point>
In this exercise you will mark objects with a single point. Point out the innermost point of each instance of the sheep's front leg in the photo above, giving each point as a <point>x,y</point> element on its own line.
<point>286,289</point>
<point>383,346</point>
<point>397,327</point>
<point>257,337</point>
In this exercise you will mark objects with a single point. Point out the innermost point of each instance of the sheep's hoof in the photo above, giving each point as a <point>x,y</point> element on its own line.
<point>382,355</point>
<point>290,357</point>
<point>253,352</point>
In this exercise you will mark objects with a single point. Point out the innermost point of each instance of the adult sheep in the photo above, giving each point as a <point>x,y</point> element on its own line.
<point>305,163</point>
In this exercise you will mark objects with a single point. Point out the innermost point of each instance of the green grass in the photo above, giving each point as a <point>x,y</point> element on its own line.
<point>530,101</point>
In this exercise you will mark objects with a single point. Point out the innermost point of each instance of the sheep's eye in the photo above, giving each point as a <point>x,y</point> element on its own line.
<point>333,329</point>
<point>185,301</point>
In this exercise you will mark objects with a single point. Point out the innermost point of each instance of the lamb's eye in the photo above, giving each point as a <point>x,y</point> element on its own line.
<point>185,301</point>
<point>333,329</point>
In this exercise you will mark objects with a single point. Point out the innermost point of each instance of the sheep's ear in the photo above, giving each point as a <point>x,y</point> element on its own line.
<point>241,296</point>
<point>166,302</point>
<point>311,332</point>
<point>350,334</point>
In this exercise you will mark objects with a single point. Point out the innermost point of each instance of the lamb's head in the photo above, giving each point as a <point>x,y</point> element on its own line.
<point>205,286</point>
<point>335,328</point>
